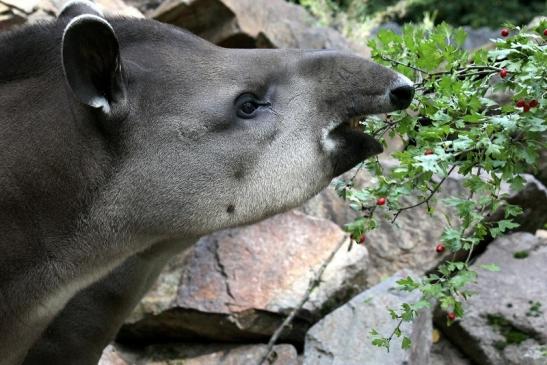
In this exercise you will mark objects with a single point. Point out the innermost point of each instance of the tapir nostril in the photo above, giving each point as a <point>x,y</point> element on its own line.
<point>401,97</point>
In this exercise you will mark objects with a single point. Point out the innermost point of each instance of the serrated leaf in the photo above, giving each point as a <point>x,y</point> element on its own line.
<point>491,267</point>
<point>406,343</point>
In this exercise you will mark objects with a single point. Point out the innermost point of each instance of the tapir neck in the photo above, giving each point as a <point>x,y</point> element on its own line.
<point>53,161</point>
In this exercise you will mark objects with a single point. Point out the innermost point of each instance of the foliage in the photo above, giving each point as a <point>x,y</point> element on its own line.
<point>463,12</point>
<point>454,125</point>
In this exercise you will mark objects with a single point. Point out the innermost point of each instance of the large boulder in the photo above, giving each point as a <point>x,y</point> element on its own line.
<point>342,337</point>
<point>505,322</point>
<point>533,200</point>
<point>111,356</point>
<point>18,12</point>
<point>199,354</point>
<point>238,284</point>
<point>215,354</point>
<point>253,24</point>
<point>445,353</point>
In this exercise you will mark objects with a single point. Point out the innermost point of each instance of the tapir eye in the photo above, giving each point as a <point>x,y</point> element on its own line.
<point>248,108</point>
<point>247,105</point>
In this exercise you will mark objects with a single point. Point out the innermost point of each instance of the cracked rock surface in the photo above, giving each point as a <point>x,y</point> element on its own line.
<point>506,322</point>
<point>342,337</point>
<point>239,283</point>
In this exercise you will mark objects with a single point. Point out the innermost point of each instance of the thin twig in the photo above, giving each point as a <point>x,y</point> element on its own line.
<point>426,200</point>
<point>314,283</point>
<point>357,171</point>
<point>395,330</point>
<point>404,64</point>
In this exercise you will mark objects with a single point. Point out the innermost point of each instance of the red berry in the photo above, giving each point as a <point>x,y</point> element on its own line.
<point>504,32</point>
<point>503,73</point>
<point>381,201</point>
<point>362,239</point>
<point>429,151</point>
<point>526,108</point>
<point>439,248</point>
<point>533,103</point>
<point>521,103</point>
<point>451,316</point>
<point>545,32</point>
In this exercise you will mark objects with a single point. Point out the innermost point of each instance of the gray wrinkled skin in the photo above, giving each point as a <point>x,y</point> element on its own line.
<point>94,199</point>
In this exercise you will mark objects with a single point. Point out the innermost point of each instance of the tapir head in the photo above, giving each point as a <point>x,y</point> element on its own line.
<point>208,137</point>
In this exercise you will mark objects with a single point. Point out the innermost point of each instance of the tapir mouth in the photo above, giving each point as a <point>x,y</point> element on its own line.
<point>353,144</point>
<point>355,122</point>
<point>353,127</point>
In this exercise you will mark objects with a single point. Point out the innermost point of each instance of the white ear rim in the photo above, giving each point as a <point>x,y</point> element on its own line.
<point>87,3</point>
<point>82,18</point>
<point>99,103</point>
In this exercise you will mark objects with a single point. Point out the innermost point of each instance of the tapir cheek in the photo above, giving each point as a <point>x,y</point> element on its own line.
<point>194,134</point>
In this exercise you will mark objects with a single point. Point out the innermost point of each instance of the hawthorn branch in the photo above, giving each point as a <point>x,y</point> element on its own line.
<point>314,283</point>
<point>385,128</point>
<point>404,64</point>
<point>458,71</point>
<point>356,172</point>
<point>426,200</point>
<point>394,331</point>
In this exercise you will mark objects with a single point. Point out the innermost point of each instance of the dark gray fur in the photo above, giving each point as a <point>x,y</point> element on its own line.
<point>95,198</point>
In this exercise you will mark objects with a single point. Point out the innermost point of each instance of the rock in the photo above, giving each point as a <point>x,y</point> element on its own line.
<point>112,357</point>
<point>238,284</point>
<point>253,24</point>
<point>214,354</point>
<point>10,19</point>
<point>144,6</point>
<point>119,8</point>
<point>13,13</point>
<point>479,37</point>
<point>109,7</point>
<point>540,171</point>
<point>17,12</point>
<point>528,353</point>
<point>444,353</point>
<point>533,199</point>
<point>505,322</point>
<point>541,233</point>
<point>342,337</point>
<point>26,6</point>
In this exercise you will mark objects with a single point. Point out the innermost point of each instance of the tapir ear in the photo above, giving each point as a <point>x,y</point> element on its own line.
<point>92,64</point>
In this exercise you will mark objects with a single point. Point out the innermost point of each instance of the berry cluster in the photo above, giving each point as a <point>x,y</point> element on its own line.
<point>505,32</point>
<point>527,105</point>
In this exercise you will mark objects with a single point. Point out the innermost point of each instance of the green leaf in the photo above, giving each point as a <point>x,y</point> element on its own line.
<point>512,210</point>
<point>491,267</point>
<point>503,226</point>
<point>452,239</point>
<point>407,284</point>
<point>406,343</point>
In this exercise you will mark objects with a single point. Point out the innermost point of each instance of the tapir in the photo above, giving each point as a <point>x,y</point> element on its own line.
<point>123,141</point>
